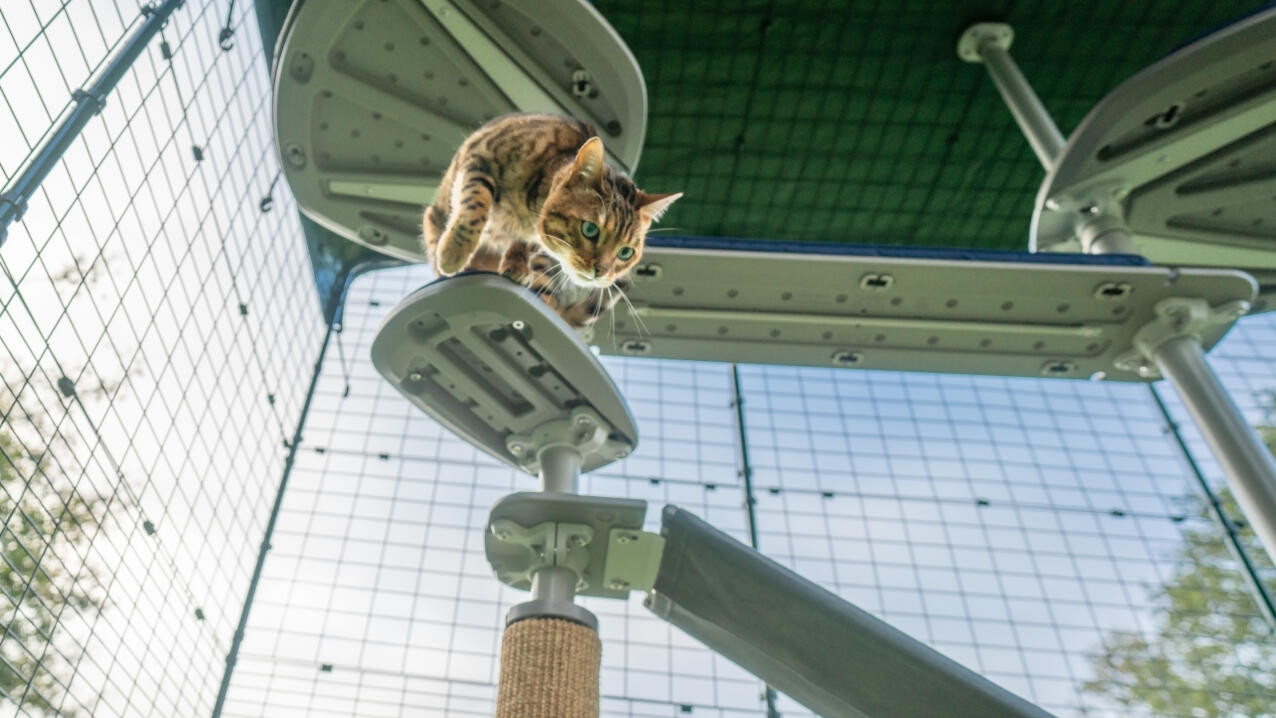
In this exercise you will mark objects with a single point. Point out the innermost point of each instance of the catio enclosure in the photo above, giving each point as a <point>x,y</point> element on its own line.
<point>213,504</point>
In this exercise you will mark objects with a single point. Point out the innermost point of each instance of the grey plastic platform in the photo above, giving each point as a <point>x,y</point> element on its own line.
<point>1187,148</point>
<point>912,314</point>
<point>372,98</point>
<point>501,370</point>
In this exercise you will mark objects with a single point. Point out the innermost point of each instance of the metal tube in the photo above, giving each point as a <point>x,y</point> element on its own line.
<point>560,469</point>
<point>336,298</point>
<point>1115,240</point>
<point>1246,461</point>
<point>554,583</point>
<point>1034,121</point>
<point>13,200</point>
<point>1232,537</point>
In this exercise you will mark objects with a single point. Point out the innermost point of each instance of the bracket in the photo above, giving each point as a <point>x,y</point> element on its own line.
<point>529,531</point>
<point>584,430</point>
<point>1176,317</point>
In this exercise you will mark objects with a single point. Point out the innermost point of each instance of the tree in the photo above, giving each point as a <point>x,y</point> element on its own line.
<point>1212,654</point>
<point>44,519</point>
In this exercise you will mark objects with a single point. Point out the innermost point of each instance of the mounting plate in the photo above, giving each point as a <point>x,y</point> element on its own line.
<point>373,97</point>
<point>592,521</point>
<point>1186,150</point>
<point>490,361</point>
<point>902,314</point>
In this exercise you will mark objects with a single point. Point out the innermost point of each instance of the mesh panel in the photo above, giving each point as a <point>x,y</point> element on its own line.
<point>855,121</point>
<point>156,336</point>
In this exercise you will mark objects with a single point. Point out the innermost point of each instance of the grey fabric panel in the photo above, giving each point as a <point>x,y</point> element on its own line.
<point>825,653</point>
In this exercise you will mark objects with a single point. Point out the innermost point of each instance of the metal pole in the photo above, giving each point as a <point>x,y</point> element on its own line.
<point>1266,606</point>
<point>232,656</point>
<point>1246,461</point>
<point>991,43</point>
<point>13,200</point>
<point>750,501</point>
<point>560,469</point>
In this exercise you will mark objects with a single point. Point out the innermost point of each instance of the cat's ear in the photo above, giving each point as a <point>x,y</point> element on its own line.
<point>588,167</point>
<point>652,206</point>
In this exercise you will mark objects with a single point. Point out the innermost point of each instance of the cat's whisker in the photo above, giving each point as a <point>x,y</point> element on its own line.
<point>664,229</point>
<point>642,326</point>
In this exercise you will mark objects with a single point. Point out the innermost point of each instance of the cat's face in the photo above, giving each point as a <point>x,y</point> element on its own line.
<point>595,222</point>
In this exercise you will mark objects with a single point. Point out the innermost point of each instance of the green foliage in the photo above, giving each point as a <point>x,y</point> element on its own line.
<point>45,522</point>
<point>1212,655</point>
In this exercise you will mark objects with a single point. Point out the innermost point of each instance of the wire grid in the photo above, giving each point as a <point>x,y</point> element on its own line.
<point>157,333</point>
<point>376,598</point>
<point>1022,527</point>
<point>854,120</point>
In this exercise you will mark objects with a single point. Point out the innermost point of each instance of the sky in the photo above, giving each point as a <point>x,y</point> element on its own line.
<point>976,514</point>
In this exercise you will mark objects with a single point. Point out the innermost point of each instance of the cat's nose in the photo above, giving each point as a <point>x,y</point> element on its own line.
<point>599,269</point>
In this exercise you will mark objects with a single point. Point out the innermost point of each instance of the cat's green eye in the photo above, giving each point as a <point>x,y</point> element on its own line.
<point>589,229</point>
<point>625,253</point>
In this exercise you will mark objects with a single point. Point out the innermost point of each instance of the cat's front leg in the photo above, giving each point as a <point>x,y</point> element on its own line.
<point>471,207</point>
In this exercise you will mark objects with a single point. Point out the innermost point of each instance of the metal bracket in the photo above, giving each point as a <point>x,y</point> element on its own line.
<point>530,531</point>
<point>584,430</point>
<point>82,95</point>
<point>547,544</point>
<point>633,559</point>
<point>980,34</point>
<point>1176,317</point>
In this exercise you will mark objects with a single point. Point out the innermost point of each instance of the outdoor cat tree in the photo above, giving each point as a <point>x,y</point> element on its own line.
<point>372,98</point>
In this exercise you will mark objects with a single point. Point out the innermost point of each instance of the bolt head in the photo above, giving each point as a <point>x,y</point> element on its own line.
<point>415,376</point>
<point>577,541</point>
<point>516,448</point>
<point>519,324</point>
<point>618,584</point>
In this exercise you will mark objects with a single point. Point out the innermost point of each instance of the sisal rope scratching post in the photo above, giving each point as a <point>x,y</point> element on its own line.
<point>549,669</point>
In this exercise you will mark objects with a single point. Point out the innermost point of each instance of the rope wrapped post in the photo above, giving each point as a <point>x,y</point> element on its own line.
<point>549,669</point>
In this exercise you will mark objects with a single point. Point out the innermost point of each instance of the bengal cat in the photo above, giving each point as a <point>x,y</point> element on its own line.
<point>531,196</point>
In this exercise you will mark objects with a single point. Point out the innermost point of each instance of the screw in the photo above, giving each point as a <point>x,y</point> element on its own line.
<point>618,584</point>
<point>414,376</point>
<point>502,534</point>
<point>583,436</point>
<point>577,541</point>
<point>518,324</point>
<point>626,538</point>
<point>582,420</point>
<point>516,448</point>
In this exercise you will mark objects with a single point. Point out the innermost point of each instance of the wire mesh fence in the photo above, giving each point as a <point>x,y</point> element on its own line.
<point>157,331</point>
<point>158,334</point>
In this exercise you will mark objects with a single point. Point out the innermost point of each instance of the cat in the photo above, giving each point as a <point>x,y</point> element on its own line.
<point>530,196</point>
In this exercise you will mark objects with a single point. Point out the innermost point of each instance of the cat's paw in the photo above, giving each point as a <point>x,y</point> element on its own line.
<point>451,259</point>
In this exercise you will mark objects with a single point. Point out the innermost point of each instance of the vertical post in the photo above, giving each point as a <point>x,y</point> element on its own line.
<point>550,651</point>
<point>335,299</point>
<point>560,469</point>
<point>1248,464</point>
<point>989,43</point>
<point>746,475</point>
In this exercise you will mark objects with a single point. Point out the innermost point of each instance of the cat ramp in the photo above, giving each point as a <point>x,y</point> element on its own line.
<point>373,97</point>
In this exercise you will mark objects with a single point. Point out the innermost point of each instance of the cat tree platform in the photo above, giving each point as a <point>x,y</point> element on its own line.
<point>373,97</point>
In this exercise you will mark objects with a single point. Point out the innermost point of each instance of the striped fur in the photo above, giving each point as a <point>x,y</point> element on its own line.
<point>516,199</point>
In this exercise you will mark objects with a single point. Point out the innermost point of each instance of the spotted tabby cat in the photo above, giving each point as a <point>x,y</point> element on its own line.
<point>531,197</point>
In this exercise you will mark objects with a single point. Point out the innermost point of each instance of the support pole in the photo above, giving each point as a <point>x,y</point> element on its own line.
<point>1247,463</point>
<point>560,469</point>
<point>550,653</point>
<point>88,102</point>
<point>1250,469</point>
<point>989,43</point>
